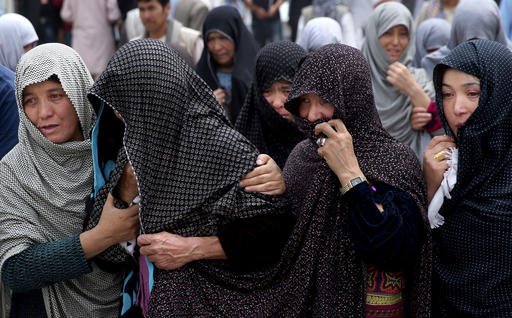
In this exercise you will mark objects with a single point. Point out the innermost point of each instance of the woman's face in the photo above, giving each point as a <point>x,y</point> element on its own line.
<point>461,93</point>
<point>314,108</point>
<point>50,110</point>
<point>395,41</point>
<point>221,48</point>
<point>276,96</point>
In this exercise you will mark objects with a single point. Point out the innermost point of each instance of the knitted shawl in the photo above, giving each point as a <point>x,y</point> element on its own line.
<point>472,249</point>
<point>43,185</point>
<point>394,107</point>
<point>258,121</point>
<point>340,75</point>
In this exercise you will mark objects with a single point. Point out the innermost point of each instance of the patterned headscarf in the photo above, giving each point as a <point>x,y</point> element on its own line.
<point>44,185</point>
<point>258,121</point>
<point>473,250</point>
<point>227,20</point>
<point>340,75</point>
<point>187,159</point>
<point>16,31</point>
<point>394,107</point>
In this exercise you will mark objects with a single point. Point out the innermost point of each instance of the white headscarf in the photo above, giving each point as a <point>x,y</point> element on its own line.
<point>43,185</point>
<point>319,32</point>
<point>393,106</point>
<point>16,31</point>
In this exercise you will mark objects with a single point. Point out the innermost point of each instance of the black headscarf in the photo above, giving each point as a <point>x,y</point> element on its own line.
<point>187,159</point>
<point>227,20</point>
<point>340,75</point>
<point>258,121</point>
<point>472,248</point>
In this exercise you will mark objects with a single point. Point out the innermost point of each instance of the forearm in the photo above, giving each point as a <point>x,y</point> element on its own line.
<point>93,242</point>
<point>418,96</point>
<point>45,264</point>
<point>206,247</point>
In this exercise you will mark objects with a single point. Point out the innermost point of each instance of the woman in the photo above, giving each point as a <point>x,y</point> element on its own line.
<point>227,62</point>
<point>17,36</point>
<point>263,118</point>
<point>402,94</point>
<point>472,251</point>
<point>338,12</point>
<point>431,35</point>
<point>45,181</point>
<point>362,232</point>
<point>319,32</point>
<point>195,218</point>
<point>473,19</point>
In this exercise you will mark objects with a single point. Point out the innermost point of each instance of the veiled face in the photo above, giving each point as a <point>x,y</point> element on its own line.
<point>395,41</point>
<point>312,107</point>
<point>48,107</point>
<point>461,93</point>
<point>276,96</point>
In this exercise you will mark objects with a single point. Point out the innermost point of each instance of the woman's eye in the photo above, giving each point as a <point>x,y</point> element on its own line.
<point>474,94</point>
<point>446,95</point>
<point>28,101</point>
<point>56,96</point>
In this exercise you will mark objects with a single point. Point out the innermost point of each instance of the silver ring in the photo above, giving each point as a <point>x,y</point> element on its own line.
<point>321,141</point>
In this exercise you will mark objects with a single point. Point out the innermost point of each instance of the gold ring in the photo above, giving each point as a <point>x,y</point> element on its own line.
<point>440,156</point>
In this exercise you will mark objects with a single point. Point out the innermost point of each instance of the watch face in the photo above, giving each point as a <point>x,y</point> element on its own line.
<point>356,181</point>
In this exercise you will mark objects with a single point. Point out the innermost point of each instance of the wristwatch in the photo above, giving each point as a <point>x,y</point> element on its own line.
<point>352,183</point>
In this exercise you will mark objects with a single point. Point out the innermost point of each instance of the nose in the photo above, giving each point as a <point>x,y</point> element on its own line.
<point>315,112</point>
<point>395,39</point>
<point>277,100</point>
<point>460,105</point>
<point>45,110</point>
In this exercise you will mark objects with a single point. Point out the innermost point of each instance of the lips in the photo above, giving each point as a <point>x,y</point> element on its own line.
<point>47,129</point>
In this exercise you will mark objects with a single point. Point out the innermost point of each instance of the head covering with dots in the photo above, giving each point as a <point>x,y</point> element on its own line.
<point>473,251</point>
<point>44,185</point>
<point>258,121</point>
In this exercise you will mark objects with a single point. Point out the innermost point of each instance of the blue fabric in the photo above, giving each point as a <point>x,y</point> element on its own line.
<point>101,170</point>
<point>506,17</point>
<point>225,81</point>
<point>9,119</point>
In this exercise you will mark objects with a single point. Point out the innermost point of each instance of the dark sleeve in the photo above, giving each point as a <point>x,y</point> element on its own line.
<point>45,264</point>
<point>9,119</point>
<point>256,242</point>
<point>386,239</point>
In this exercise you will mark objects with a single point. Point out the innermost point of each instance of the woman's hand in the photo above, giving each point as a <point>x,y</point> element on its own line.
<point>126,187</point>
<point>170,251</point>
<point>420,118</point>
<point>435,166</point>
<point>220,95</point>
<point>115,226</point>
<point>266,178</point>
<point>338,150</point>
<point>402,79</point>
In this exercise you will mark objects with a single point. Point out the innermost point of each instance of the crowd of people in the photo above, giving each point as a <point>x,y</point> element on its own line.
<point>179,158</point>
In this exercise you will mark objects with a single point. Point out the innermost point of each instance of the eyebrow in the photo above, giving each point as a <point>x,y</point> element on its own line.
<point>463,85</point>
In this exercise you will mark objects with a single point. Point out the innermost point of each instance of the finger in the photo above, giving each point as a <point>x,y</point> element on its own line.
<point>110,200</point>
<point>262,159</point>
<point>256,172</point>
<point>145,239</point>
<point>338,125</point>
<point>326,129</point>
<point>260,188</point>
